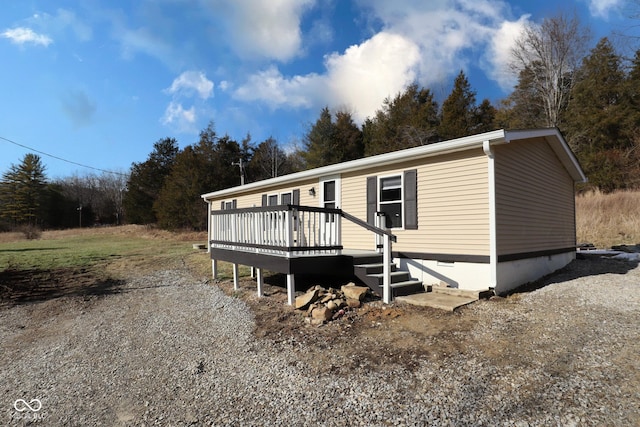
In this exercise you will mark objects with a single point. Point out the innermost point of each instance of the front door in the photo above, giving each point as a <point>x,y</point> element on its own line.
<point>329,198</point>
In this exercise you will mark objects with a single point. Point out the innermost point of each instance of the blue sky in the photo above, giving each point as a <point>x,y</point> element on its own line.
<point>97,82</point>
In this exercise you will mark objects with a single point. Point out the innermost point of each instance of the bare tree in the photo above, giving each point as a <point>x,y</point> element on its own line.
<point>551,52</point>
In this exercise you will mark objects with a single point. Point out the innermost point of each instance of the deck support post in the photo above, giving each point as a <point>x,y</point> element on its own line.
<point>214,268</point>
<point>260,280</point>
<point>236,277</point>
<point>253,272</point>
<point>386,269</point>
<point>291,289</point>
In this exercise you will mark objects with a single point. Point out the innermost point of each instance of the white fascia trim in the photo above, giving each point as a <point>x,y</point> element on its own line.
<point>435,149</point>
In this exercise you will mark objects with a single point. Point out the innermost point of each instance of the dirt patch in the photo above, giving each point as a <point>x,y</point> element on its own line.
<point>371,336</point>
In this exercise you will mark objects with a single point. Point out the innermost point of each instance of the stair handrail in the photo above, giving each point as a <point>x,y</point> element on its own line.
<point>364,224</point>
<point>387,238</point>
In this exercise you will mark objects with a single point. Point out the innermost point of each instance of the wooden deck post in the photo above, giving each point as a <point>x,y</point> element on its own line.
<point>291,289</point>
<point>236,277</point>
<point>214,268</point>
<point>260,280</point>
<point>386,270</point>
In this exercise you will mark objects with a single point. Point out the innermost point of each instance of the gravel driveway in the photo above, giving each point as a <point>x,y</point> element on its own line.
<point>168,349</point>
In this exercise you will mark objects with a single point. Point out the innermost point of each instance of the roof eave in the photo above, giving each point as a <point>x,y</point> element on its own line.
<point>439,148</point>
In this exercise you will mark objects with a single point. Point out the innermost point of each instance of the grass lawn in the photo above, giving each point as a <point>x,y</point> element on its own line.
<point>116,252</point>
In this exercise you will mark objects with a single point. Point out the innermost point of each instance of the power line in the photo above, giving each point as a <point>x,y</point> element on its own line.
<point>61,159</point>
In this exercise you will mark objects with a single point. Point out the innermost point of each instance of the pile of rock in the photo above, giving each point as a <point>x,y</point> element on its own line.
<point>323,305</point>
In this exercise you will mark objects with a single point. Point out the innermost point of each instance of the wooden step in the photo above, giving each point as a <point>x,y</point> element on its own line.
<point>396,276</point>
<point>374,268</point>
<point>406,287</point>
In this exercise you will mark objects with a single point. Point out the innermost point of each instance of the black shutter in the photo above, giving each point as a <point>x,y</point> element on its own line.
<point>222,205</point>
<point>411,199</point>
<point>372,199</point>
<point>296,197</point>
<point>234,204</point>
<point>264,200</point>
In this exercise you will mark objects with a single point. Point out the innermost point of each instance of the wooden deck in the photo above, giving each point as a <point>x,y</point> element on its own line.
<point>292,239</point>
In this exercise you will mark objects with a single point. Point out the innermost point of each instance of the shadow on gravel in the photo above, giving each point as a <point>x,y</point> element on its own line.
<point>28,286</point>
<point>584,265</point>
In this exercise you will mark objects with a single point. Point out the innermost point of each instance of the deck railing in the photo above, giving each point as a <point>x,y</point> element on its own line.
<point>285,229</point>
<point>290,230</point>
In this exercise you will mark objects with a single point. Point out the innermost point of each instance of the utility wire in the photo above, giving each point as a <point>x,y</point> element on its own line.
<point>61,159</point>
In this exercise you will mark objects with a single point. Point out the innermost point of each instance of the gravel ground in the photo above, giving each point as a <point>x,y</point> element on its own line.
<point>167,349</point>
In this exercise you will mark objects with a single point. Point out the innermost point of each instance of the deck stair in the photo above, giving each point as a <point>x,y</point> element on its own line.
<point>369,270</point>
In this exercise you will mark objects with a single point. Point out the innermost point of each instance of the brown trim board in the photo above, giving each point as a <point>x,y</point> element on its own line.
<point>477,259</point>
<point>535,254</point>
<point>480,259</point>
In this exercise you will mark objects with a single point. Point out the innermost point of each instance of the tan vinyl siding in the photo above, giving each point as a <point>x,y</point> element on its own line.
<point>534,199</point>
<point>453,205</point>
<point>254,198</point>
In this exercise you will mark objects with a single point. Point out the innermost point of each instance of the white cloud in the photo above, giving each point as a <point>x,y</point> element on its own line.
<point>601,8</point>
<point>498,56</point>
<point>360,79</point>
<point>176,116</point>
<point>24,35</point>
<point>263,28</point>
<point>366,74</point>
<point>428,42</point>
<point>272,88</point>
<point>62,21</point>
<point>142,40</point>
<point>190,81</point>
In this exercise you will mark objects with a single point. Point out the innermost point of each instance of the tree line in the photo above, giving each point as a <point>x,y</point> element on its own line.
<point>592,96</point>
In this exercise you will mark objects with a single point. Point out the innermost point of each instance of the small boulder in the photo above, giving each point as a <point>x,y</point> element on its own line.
<point>327,298</point>
<point>354,292</point>
<point>322,313</point>
<point>303,301</point>
<point>331,305</point>
<point>353,303</point>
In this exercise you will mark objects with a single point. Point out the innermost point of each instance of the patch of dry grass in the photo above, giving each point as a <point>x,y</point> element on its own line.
<point>608,219</point>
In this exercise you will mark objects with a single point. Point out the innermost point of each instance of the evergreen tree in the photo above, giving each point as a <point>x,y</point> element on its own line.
<point>319,149</point>
<point>408,120</point>
<point>146,181</point>
<point>523,108</point>
<point>596,118</point>
<point>458,116</point>
<point>485,119</point>
<point>347,138</point>
<point>329,142</point>
<point>23,192</point>
<point>200,168</point>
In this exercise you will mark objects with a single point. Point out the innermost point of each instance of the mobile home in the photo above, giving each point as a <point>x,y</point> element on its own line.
<point>489,211</point>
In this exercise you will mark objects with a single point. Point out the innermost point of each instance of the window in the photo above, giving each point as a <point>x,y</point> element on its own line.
<point>272,200</point>
<point>390,198</point>
<point>285,199</point>
<point>232,204</point>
